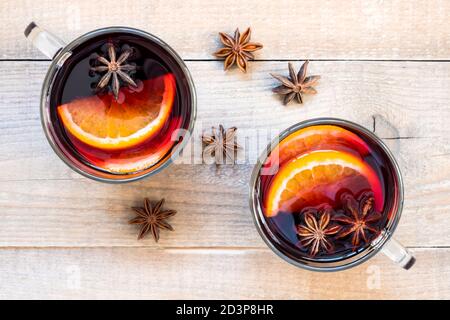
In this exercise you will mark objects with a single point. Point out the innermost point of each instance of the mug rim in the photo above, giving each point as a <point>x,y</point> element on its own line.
<point>257,214</point>
<point>59,59</point>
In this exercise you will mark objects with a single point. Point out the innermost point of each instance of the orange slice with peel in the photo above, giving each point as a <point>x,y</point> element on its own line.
<point>139,161</point>
<point>316,178</point>
<point>141,158</point>
<point>104,123</point>
<point>314,138</point>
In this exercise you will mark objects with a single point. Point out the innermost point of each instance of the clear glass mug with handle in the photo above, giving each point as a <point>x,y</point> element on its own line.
<point>323,148</point>
<point>150,57</point>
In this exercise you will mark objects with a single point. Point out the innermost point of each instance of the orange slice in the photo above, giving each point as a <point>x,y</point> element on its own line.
<point>146,156</point>
<point>314,138</point>
<point>139,161</point>
<point>316,178</point>
<point>104,123</point>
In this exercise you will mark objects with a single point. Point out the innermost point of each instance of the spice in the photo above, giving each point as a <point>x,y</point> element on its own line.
<point>152,219</point>
<point>115,69</point>
<point>238,49</point>
<point>359,218</point>
<point>295,85</point>
<point>221,144</point>
<point>316,230</point>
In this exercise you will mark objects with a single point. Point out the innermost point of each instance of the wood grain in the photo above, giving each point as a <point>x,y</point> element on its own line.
<point>108,273</point>
<point>354,29</point>
<point>36,187</point>
<point>384,65</point>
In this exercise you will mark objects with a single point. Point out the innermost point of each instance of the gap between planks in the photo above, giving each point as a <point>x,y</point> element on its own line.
<point>180,248</point>
<point>270,60</point>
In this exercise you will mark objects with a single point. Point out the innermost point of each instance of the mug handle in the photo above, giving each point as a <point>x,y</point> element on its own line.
<point>395,251</point>
<point>43,40</point>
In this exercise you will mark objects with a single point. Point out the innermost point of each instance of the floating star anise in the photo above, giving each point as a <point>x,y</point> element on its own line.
<point>115,69</point>
<point>151,219</point>
<point>360,218</point>
<point>316,230</point>
<point>295,85</point>
<point>221,143</point>
<point>238,49</point>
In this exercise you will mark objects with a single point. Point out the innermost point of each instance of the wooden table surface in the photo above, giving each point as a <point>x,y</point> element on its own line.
<point>384,65</point>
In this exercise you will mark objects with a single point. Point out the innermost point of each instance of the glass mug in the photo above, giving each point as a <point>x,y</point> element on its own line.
<point>80,120</point>
<point>327,195</point>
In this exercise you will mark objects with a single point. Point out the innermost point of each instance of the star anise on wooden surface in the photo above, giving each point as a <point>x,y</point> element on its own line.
<point>360,217</point>
<point>152,219</point>
<point>115,69</point>
<point>238,49</point>
<point>316,230</point>
<point>222,144</point>
<point>295,85</point>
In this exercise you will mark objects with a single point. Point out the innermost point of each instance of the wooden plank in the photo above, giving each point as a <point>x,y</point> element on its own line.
<point>43,202</point>
<point>354,29</point>
<point>109,273</point>
<point>408,99</point>
<point>213,210</point>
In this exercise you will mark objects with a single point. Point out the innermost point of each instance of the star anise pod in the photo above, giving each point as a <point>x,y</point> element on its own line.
<point>360,217</point>
<point>221,143</point>
<point>316,230</point>
<point>152,219</point>
<point>295,85</point>
<point>238,49</point>
<point>115,69</point>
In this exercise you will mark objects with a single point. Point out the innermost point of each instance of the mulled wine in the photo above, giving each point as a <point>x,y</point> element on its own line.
<point>118,103</point>
<point>326,192</point>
